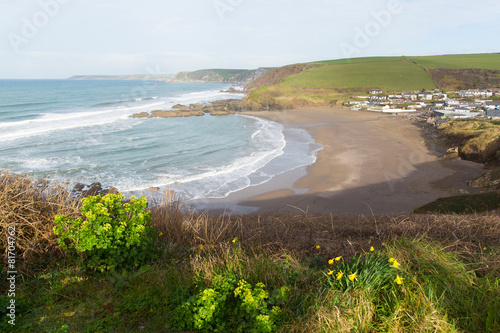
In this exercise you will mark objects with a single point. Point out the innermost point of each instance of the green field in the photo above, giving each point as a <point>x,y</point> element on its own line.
<point>481,61</point>
<point>395,75</point>
<point>332,81</point>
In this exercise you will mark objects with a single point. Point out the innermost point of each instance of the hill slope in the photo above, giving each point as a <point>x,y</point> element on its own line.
<point>234,76</point>
<point>325,82</point>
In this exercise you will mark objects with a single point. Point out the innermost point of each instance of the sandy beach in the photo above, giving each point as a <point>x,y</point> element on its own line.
<point>371,163</point>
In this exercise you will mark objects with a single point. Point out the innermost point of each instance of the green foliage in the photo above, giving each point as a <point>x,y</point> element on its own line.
<point>111,234</point>
<point>371,270</point>
<point>461,61</point>
<point>393,75</point>
<point>231,306</point>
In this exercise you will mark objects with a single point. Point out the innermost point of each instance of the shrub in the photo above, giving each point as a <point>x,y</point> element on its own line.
<point>111,233</point>
<point>27,208</point>
<point>230,306</point>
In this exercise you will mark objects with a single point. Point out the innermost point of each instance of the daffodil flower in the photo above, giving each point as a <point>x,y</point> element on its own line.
<point>330,262</point>
<point>399,280</point>
<point>338,258</point>
<point>372,249</point>
<point>340,275</point>
<point>330,272</point>
<point>395,264</point>
<point>318,247</point>
<point>391,260</point>
<point>353,276</point>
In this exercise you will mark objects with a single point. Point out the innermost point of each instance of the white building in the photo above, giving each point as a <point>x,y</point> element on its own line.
<point>424,96</point>
<point>475,93</point>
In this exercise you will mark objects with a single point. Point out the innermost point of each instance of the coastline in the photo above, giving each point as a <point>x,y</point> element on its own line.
<point>370,164</point>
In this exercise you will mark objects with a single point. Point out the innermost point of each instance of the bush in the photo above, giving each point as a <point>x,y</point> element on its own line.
<point>27,208</point>
<point>111,234</point>
<point>230,306</point>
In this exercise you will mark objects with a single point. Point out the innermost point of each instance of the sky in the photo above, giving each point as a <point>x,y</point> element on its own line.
<point>55,39</point>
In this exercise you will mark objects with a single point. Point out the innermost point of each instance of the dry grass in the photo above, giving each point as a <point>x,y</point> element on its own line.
<point>336,235</point>
<point>29,205</point>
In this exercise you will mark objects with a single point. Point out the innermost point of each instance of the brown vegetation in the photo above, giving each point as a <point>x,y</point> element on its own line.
<point>336,235</point>
<point>279,74</point>
<point>29,205</point>
<point>470,78</point>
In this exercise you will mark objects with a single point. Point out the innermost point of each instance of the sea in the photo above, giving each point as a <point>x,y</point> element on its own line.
<point>80,131</point>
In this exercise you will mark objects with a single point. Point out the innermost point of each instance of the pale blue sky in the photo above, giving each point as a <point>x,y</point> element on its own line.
<point>60,38</point>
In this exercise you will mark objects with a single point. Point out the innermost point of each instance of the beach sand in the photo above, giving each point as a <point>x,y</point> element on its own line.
<point>371,163</point>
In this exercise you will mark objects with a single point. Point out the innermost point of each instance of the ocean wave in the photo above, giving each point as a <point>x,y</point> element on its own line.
<point>220,182</point>
<point>50,122</point>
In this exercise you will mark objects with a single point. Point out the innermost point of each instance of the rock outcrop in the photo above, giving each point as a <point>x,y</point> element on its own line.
<point>489,181</point>
<point>83,190</point>
<point>217,108</point>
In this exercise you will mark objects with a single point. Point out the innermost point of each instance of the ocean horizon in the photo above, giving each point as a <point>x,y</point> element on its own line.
<point>81,132</point>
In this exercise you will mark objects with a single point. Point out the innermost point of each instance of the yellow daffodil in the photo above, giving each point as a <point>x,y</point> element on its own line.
<point>391,260</point>
<point>330,272</point>
<point>160,234</point>
<point>484,248</point>
<point>338,258</point>
<point>399,280</point>
<point>353,276</point>
<point>395,264</point>
<point>234,240</point>
<point>372,249</point>
<point>318,247</point>
<point>330,262</point>
<point>340,275</point>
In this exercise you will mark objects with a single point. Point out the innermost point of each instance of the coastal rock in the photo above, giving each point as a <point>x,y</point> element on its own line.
<point>451,153</point>
<point>153,189</point>
<point>196,107</point>
<point>231,90</point>
<point>83,190</point>
<point>180,107</point>
<point>140,115</point>
<point>175,113</point>
<point>217,108</point>
<point>223,107</point>
<point>490,180</point>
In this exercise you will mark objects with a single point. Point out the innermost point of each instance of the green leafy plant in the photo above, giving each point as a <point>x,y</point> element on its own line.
<point>370,270</point>
<point>231,305</point>
<point>111,234</point>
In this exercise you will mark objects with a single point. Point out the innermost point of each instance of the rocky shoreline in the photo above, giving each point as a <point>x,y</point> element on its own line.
<point>217,108</point>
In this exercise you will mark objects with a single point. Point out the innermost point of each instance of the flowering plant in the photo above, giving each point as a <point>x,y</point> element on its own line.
<point>110,233</point>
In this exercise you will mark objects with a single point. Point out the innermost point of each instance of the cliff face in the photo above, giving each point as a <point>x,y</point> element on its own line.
<point>233,76</point>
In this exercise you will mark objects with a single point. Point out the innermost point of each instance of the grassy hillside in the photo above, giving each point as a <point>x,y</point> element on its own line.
<point>327,82</point>
<point>393,74</point>
<point>462,61</point>
<point>277,273</point>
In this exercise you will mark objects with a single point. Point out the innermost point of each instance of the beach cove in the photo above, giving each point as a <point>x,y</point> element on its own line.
<point>370,164</point>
